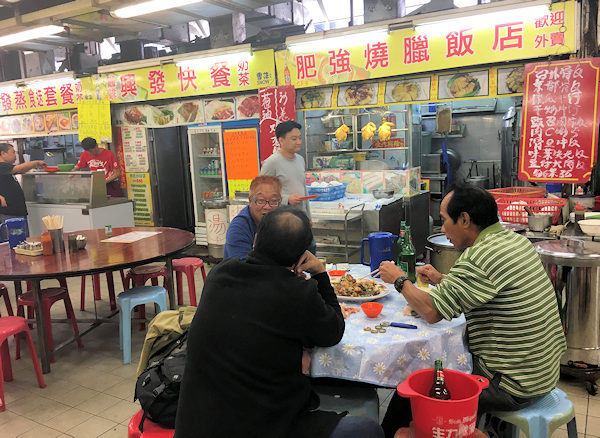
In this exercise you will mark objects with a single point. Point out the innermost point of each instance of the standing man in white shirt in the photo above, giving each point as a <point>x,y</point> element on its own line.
<point>287,165</point>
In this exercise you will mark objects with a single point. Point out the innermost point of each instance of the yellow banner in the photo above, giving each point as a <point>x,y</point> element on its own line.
<point>138,190</point>
<point>94,119</point>
<point>189,78</point>
<point>430,48</point>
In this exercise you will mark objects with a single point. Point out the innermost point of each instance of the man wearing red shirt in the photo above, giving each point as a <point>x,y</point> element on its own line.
<point>96,158</point>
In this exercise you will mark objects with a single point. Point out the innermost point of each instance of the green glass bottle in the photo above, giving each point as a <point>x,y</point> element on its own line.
<point>400,243</point>
<point>439,390</point>
<point>408,257</point>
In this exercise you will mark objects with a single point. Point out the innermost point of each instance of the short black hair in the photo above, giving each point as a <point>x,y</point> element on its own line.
<point>284,127</point>
<point>283,235</point>
<point>88,143</point>
<point>477,202</point>
<point>4,147</point>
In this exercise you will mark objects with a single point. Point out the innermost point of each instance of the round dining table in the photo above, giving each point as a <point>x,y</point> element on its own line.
<point>140,245</point>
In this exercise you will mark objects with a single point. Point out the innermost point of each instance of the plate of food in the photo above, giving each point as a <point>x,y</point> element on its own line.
<point>463,85</point>
<point>16,125</point>
<point>188,111</point>
<point>64,122</point>
<point>52,121</point>
<point>353,95</point>
<point>312,99</point>
<point>514,80</point>
<point>351,289</point>
<point>134,116</point>
<point>404,91</point>
<point>27,124</point>
<point>219,110</point>
<point>162,116</point>
<point>75,121</point>
<point>38,122</point>
<point>247,106</point>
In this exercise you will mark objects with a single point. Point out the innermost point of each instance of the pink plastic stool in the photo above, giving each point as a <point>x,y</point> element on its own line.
<point>96,286</point>
<point>49,297</point>
<point>10,326</point>
<point>151,430</point>
<point>187,266</point>
<point>4,294</point>
<point>139,275</point>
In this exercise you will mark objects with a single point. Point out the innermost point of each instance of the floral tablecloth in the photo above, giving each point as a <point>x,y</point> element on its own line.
<point>386,359</point>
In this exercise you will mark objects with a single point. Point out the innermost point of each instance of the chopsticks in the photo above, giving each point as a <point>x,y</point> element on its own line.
<point>374,273</point>
<point>53,222</point>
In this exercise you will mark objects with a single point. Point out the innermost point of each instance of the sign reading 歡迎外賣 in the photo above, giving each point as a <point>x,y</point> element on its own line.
<point>420,50</point>
<point>559,134</point>
<point>277,104</point>
<point>189,78</point>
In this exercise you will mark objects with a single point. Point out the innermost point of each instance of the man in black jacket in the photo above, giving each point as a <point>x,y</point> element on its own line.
<point>243,374</point>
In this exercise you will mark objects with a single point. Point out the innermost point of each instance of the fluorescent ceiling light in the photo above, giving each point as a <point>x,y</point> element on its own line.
<point>55,79</point>
<point>30,34</point>
<point>132,65</point>
<point>483,20</point>
<point>348,40</point>
<point>151,6</point>
<point>203,60</point>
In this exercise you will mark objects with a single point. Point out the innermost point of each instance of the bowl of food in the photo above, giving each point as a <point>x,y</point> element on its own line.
<point>65,167</point>
<point>591,227</point>
<point>371,309</point>
<point>335,275</point>
<point>381,194</point>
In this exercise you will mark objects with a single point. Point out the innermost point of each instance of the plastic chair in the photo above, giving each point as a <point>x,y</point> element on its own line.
<point>151,429</point>
<point>11,326</point>
<point>358,400</point>
<point>127,301</point>
<point>4,294</point>
<point>139,275</point>
<point>49,296</point>
<point>187,266</point>
<point>543,417</point>
<point>96,285</point>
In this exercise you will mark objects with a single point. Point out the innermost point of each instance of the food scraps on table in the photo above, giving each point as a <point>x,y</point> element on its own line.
<point>350,287</point>
<point>347,310</point>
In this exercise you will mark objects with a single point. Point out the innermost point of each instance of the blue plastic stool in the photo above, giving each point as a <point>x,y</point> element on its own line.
<point>127,301</point>
<point>543,417</point>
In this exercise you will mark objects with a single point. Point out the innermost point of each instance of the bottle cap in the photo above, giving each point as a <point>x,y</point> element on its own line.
<point>579,207</point>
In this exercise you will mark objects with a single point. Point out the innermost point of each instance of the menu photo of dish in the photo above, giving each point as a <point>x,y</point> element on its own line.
<point>314,98</point>
<point>510,80</point>
<point>74,120</point>
<point>38,123</point>
<point>219,109</point>
<point>27,124</point>
<point>358,94</point>
<point>4,126</point>
<point>247,106</point>
<point>64,121</point>
<point>408,90</point>
<point>468,84</point>
<point>51,121</point>
<point>190,111</point>
<point>15,125</point>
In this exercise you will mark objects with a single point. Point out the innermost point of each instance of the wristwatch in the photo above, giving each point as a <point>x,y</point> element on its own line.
<point>399,283</point>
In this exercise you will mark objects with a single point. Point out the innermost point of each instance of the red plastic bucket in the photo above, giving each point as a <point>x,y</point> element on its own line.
<point>456,417</point>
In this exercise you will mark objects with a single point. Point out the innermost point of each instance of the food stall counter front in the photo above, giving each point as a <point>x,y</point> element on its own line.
<point>78,196</point>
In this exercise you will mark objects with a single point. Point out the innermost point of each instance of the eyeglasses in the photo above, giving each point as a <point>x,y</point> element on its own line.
<point>263,202</point>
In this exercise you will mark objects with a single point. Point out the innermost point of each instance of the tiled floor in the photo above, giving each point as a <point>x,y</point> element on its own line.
<point>89,392</point>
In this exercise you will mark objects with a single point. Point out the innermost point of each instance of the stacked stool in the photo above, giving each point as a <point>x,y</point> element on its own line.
<point>187,266</point>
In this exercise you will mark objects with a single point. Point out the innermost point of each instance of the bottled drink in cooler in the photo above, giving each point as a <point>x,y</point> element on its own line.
<point>439,390</point>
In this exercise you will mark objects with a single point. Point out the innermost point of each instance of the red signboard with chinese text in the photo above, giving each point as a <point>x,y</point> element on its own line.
<point>277,104</point>
<point>559,135</point>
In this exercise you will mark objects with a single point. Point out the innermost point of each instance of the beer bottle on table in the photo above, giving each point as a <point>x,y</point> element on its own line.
<point>400,249</point>
<point>439,390</point>
<point>408,259</point>
<point>399,242</point>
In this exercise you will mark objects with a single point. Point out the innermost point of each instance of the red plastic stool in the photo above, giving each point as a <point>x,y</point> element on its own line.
<point>139,275</point>
<point>10,326</point>
<point>49,297</point>
<point>187,266</point>
<point>96,287</point>
<point>4,294</point>
<point>151,429</point>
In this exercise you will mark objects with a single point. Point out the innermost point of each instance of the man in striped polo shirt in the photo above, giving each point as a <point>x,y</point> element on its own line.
<point>514,330</point>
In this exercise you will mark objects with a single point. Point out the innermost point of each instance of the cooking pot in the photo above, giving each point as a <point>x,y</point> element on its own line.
<point>478,181</point>
<point>442,253</point>
<point>538,222</point>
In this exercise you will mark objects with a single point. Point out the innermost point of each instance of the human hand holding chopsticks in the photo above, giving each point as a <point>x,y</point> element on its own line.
<point>389,272</point>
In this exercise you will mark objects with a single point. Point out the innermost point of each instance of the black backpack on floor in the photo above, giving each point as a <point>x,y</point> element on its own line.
<point>157,388</point>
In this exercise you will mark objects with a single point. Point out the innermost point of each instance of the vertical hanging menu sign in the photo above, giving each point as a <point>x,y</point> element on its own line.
<point>559,137</point>
<point>138,190</point>
<point>94,119</point>
<point>241,156</point>
<point>277,104</point>
<point>135,149</point>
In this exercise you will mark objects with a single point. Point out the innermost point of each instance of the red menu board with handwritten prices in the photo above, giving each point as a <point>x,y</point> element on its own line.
<point>277,104</point>
<point>559,137</point>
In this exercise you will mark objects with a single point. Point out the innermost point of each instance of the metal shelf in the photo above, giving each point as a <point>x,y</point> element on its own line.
<point>210,176</point>
<point>208,156</point>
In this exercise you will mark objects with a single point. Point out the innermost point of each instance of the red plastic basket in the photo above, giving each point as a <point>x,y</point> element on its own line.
<point>512,209</point>
<point>518,192</point>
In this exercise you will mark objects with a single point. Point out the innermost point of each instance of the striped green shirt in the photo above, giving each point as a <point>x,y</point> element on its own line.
<point>513,325</point>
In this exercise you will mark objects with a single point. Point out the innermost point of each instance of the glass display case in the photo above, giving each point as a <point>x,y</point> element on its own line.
<point>88,188</point>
